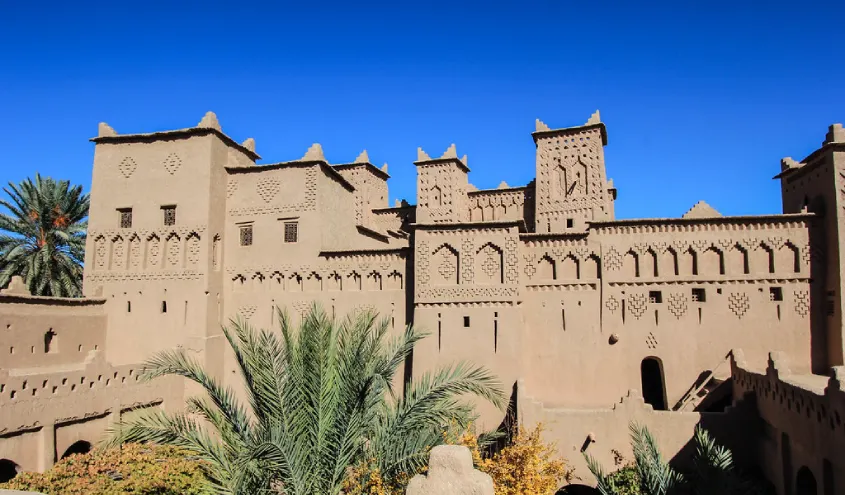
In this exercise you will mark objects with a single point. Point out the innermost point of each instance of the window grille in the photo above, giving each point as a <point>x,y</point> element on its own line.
<point>126,218</point>
<point>291,231</point>
<point>169,215</point>
<point>246,235</point>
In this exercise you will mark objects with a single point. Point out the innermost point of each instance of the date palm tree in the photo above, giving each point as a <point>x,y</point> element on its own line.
<point>315,401</point>
<point>42,238</point>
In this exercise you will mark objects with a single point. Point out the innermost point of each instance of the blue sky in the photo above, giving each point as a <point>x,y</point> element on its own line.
<point>701,99</point>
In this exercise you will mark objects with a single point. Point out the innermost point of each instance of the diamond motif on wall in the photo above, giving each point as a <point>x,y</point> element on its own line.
<point>802,302</point>
<point>193,249</point>
<point>490,265</point>
<point>423,275</point>
<point>638,304</point>
<point>678,304</point>
<point>511,261</point>
<point>468,272</point>
<point>127,166</point>
<point>651,341</point>
<point>739,303</point>
<point>173,250</point>
<point>172,163</point>
<point>100,252</point>
<point>447,269</point>
<point>612,259</point>
<point>530,269</point>
<point>611,304</point>
<point>267,188</point>
<point>135,252</point>
<point>231,187</point>
<point>247,311</point>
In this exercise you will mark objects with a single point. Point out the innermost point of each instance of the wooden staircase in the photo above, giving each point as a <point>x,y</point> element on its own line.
<point>712,387</point>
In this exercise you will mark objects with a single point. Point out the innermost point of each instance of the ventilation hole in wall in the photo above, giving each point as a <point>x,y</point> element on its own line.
<point>128,306</point>
<point>79,348</point>
<point>90,384</point>
<point>123,379</point>
<point>11,350</point>
<point>49,341</point>
<point>73,387</point>
<point>100,378</point>
<point>82,380</point>
<point>23,385</point>
<point>96,347</point>
<point>466,321</point>
<point>34,392</point>
<point>64,381</point>
<point>44,384</point>
<point>115,374</point>
<point>656,321</point>
<point>778,312</point>
<point>130,372</point>
<point>108,382</point>
<point>55,388</point>
<point>12,394</point>
<point>164,306</point>
<point>718,291</point>
<point>495,336</point>
<point>2,387</point>
<point>32,350</point>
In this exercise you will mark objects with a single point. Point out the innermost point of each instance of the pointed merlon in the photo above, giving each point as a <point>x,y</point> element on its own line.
<point>16,287</point>
<point>451,152</point>
<point>503,185</point>
<point>464,160</point>
<point>105,130</point>
<point>788,163</point>
<point>397,204</point>
<point>594,119</point>
<point>363,157</point>
<point>701,210</point>
<point>471,188</point>
<point>314,153</point>
<point>249,144</point>
<point>384,168</point>
<point>540,126</point>
<point>210,121</point>
<point>422,156</point>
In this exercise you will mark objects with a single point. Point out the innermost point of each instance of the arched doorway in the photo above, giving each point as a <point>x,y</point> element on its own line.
<point>8,470</point>
<point>79,447</point>
<point>654,389</point>
<point>805,482</point>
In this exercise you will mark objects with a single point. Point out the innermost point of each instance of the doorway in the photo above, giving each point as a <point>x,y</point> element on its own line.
<point>654,388</point>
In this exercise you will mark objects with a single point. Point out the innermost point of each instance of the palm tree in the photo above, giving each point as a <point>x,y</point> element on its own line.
<point>43,237</point>
<point>713,470</point>
<point>319,400</point>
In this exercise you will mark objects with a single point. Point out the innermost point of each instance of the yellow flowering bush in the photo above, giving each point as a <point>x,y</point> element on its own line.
<point>526,466</point>
<point>132,469</point>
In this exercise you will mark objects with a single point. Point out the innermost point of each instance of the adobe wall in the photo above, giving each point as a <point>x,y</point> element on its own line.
<point>801,419</point>
<point>604,432</point>
<point>55,394</point>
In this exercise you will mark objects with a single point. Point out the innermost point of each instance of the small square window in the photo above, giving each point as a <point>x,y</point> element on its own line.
<point>466,321</point>
<point>125,218</point>
<point>569,223</point>
<point>246,235</point>
<point>655,297</point>
<point>775,294</point>
<point>169,215</point>
<point>291,231</point>
<point>699,295</point>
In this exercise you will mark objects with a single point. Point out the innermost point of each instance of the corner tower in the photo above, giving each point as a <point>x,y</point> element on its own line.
<point>572,185</point>
<point>441,187</point>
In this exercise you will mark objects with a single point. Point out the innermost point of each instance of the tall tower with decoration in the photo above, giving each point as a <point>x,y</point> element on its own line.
<point>572,185</point>
<point>441,187</point>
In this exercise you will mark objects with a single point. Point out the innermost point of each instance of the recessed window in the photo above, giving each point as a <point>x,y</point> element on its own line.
<point>125,218</point>
<point>775,294</point>
<point>699,295</point>
<point>291,231</point>
<point>466,321</point>
<point>246,235</point>
<point>655,297</point>
<point>169,213</point>
<point>164,306</point>
<point>569,223</point>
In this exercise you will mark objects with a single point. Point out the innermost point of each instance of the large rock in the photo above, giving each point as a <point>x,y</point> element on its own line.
<point>450,472</point>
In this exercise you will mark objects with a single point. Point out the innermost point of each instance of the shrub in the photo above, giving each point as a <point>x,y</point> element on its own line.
<point>525,466</point>
<point>134,469</point>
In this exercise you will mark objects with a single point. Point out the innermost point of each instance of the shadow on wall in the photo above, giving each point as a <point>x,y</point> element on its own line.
<point>79,447</point>
<point>8,470</point>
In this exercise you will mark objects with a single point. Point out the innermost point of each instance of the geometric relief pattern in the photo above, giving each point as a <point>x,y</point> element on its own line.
<point>611,304</point>
<point>193,249</point>
<point>489,260</point>
<point>117,253</point>
<point>678,304</point>
<point>651,341</point>
<point>267,188</point>
<point>135,251</point>
<point>154,250</point>
<point>530,269</point>
<point>612,259</point>
<point>466,292</point>
<point>468,272</point>
<point>172,163</point>
<point>739,303</point>
<point>637,303</point>
<point>231,187</point>
<point>100,251</point>
<point>173,249</point>
<point>445,262</point>
<point>127,167</point>
<point>423,274</point>
<point>511,261</point>
<point>247,311</point>
<point>802,302</point>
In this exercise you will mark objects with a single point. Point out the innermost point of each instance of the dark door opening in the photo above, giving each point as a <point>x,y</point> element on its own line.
<point>79,447</point>
<point>654,391</point>
<point>805,482</point>
<point>8,470</point>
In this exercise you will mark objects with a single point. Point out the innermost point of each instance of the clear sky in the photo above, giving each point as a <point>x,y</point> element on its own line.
<point>701,99</point>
